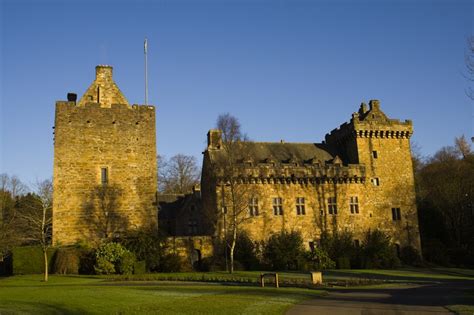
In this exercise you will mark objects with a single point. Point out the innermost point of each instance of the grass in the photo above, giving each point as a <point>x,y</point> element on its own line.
<point>344,278</point>
<point>78,294</point>
<point>202,293</point>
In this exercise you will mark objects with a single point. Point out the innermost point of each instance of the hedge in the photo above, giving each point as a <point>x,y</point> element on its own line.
<point>30,260</point>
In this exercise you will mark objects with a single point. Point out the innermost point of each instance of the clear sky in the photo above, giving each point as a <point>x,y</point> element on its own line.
<point>291,70</point>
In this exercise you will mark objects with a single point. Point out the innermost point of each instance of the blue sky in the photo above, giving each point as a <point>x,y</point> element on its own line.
<point>291,70</point>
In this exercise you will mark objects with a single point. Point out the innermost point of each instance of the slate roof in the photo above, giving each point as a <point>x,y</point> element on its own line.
<point>263,152</point>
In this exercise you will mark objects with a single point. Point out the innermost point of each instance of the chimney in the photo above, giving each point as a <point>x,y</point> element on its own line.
<point>374,104</point>
<point>72,97</point>
<point>103,73</point>
<point>214,139</point>
<point>362,109</point>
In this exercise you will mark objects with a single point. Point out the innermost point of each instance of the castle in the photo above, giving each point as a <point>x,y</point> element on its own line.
<point>359,178</point>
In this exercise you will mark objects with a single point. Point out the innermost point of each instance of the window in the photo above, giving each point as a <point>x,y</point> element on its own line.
<point>300,209</point>
<point>104,175</point>
<point>277,206</point>
<point>332,205</point>
<point>374,154</point>
<point>354,204</point>
<point>396,215</point>
<point>253,206</point>
<point>376,181</point>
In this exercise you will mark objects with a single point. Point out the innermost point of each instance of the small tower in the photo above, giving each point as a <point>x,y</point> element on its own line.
<point>382,145</point>
<point>105,176</point>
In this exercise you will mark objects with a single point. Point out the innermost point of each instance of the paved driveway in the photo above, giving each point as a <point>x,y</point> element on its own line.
<point>415,299</point>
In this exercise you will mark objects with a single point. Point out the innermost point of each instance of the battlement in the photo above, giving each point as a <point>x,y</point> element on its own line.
<point>137,107</point>
<point>371,122</point>
<point>303,174</point>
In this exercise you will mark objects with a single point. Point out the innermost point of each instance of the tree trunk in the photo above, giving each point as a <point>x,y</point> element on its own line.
<point>232,246</point>
<point>45,254</point>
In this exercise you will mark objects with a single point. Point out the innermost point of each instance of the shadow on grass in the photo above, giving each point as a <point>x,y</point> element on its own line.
<point>437,276</point>
<point>22,307</point>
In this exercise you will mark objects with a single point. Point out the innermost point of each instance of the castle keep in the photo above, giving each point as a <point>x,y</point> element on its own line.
<point>105,177</point>
<point>359,178</point>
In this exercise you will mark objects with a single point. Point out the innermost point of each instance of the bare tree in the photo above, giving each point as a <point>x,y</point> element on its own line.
<point>10,189</point>
<point>36,219</point>
<point>235,195</point>
<point>177,175</point>
<point>462,146</point>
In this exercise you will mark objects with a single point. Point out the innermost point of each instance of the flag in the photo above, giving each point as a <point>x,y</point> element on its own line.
<point>145,45</point>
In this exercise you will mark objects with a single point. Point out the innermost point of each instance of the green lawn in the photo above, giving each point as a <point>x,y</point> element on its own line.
<point>162,293</point>
<point>71,294</point>
<point>338,277</point>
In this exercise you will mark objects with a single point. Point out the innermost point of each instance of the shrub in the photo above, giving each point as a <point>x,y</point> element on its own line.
<point>139,267</point>
<point>104,266</point>
<point>147,245</point>
<point>113,258</point>
<point>245,253</point>
<point>318,259</point>
<point>87,261</point>
<point>340,248</point>
<point>378,252</point>
<point>30,260</point>
<point>172,263</point>
<point>126,263</point>
<point>435,252</point>
<point>67,260</point>
<point>284,251</point>
<point>410,256</point>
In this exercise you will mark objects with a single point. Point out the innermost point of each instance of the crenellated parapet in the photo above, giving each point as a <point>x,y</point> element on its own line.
<point>302,174</point>
<point>370,123</point>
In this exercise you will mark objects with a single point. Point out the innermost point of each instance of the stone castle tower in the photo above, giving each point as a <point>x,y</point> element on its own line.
<point>105,177</point>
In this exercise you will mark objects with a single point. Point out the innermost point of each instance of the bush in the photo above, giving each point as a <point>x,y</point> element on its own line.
<point>126,263</point>
<point>340,248</point>
<point>114,258</point>
<point>30,260</point>
<point>212,264</point>
<point>87,261</point>
<point>67,260</point>
<point>245,253</point>
<point>318,259</point>
<point>147,246</point>
<point>173,263</point>
<point>410,256</point>
<point>139,267</point>
<point>104,266</point>
<point>378,252</point>
<point>284,251</point>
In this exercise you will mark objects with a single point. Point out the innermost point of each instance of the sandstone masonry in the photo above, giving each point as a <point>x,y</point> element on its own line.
<point>105,176</point>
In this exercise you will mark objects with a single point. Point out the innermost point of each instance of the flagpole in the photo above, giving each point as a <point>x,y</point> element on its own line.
<point>146,71</point>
